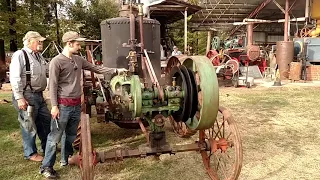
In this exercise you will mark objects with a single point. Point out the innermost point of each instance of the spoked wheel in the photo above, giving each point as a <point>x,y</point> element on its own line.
<point>224,160</point>
<point>86,153</point>
<point>181,129</point>
<point>304,32</point>
<point>215,42</point>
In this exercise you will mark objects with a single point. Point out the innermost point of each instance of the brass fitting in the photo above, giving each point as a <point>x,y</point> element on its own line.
<point>174,81</point>
<point>140,8</point>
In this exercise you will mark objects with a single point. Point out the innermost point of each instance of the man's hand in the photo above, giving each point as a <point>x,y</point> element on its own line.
<point>121,70</point>
<point>55,112</point>
<point>22,104</point>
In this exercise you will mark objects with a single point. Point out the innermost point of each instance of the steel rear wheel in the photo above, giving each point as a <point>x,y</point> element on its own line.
<point>224,160</point>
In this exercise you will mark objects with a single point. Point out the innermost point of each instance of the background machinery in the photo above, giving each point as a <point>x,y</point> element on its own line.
<point>307,46</point>
<point>188,97</point>
<point>230,55</point>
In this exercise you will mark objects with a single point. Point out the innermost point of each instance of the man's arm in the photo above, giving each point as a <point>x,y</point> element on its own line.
<point>54,71</point>
<point>97,69</point>
<point>16,67</point>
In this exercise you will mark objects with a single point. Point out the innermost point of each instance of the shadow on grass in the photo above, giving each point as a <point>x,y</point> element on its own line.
<point>110,134</point>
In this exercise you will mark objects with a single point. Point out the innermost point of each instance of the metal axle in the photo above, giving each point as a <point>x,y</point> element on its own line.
<point>143,151</point>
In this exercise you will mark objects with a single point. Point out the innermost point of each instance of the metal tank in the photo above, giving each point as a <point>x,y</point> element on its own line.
<point>116,31</point>
<point>284,55</point>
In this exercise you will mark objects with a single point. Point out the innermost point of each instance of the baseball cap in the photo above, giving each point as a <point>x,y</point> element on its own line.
<point>175,47</point>
<point>72,36</point>
<point>33,34</point>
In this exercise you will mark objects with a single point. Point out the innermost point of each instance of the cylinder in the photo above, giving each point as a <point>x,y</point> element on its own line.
<point>115,33</point>
<point>284,55</point>
<point>295,71</point>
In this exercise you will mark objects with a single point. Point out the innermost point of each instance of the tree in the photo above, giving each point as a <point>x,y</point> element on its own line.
<point>88,18</point>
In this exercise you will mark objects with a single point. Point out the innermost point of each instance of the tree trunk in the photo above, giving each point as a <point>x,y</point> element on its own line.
<point>57,22</point>
<point>12,6</point>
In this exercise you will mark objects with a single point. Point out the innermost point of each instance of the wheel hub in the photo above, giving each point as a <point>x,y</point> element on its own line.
<point>220,144</point>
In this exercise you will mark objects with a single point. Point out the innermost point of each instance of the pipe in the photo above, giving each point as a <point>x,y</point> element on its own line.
<point>247,21</point>
<point>250,34</point>
<point>132,32</point>
<point>286,21</point>
<point>306,12</point>
<point>143,64</point>
<point>208,42</point>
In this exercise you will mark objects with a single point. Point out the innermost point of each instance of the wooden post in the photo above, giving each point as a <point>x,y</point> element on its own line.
<point>185,31</point>
<point>208,42</point>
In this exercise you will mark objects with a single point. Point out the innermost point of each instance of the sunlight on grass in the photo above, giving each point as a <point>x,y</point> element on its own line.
<point>278,128</point>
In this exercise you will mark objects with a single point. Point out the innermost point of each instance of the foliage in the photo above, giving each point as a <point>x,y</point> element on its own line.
<point>89,18</point>
<point>197,40</point>
<point>83,16</point>
<point>39,15</point>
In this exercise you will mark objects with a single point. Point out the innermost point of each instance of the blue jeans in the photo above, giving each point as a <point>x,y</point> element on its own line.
<point>68,122</point>
<point>40,126</point>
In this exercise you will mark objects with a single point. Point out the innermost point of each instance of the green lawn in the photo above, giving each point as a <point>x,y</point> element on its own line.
<point>279,129</point>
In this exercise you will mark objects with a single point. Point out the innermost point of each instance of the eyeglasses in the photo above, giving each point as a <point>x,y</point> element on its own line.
<point>75,66</point>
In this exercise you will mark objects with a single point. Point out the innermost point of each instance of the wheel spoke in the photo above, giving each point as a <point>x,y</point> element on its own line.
<point>219,130</point>
<point>222,169</point>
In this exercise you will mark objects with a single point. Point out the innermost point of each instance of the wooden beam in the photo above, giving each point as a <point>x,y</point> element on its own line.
<point>167,6</point>
<point>167,9</point>
<point>230,4</point>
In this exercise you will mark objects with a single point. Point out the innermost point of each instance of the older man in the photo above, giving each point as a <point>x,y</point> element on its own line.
<point>28,81</point>
<point>65,95</point>
<point>175,51</point>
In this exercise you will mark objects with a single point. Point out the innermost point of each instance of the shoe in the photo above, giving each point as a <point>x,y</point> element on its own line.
<point>49,173</point>
<point>63,164</point>
<point>74,160</point>
<point>36,158</point>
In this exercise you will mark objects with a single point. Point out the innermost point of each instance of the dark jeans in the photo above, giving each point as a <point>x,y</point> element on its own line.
<point>39,125</point>
<point>68,122</point>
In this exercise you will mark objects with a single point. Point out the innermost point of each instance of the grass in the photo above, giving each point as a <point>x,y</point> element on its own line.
<point>279,129</point>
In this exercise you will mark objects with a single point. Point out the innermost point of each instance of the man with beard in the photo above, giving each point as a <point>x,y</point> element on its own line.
<point>28,81</point>
<point>65,95</point>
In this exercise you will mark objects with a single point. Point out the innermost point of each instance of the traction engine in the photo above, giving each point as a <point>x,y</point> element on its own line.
<point>188,97</point>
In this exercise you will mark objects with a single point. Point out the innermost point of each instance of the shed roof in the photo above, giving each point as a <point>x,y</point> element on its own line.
<point>221,14</point>
<point>169,11</point>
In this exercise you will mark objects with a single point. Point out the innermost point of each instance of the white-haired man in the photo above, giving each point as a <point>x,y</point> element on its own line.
<point>65,95</point>
<point>175,51</point>
<point>28,81</point>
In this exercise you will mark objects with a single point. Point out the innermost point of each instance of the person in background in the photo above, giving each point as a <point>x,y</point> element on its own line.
<point>65,95</point>
<point>28,81</point>
<point>175,51</point>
